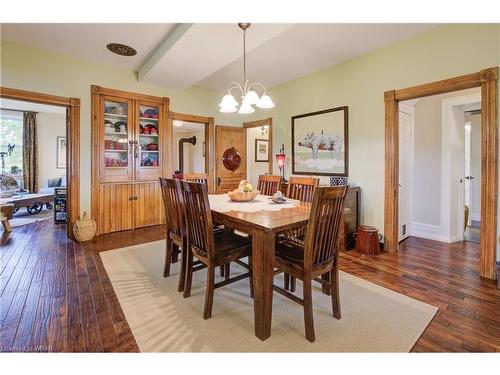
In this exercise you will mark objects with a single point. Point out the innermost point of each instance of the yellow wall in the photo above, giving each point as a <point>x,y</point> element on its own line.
<point>52,73</point>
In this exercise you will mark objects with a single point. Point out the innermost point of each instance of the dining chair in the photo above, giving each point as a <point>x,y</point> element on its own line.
<point>196,177</point>
<point>317,257</point>
<point>212,250</point>
<point>268,185</point>
<point>301,189</point>
<point>176,236</point>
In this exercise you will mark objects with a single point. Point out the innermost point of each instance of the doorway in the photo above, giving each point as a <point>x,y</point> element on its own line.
<point>71,142</point>
<point>487,81</point>
<point>259,138</point>
<point>193,145</point>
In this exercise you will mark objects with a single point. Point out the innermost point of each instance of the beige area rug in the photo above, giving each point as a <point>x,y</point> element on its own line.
<point>22,217</point>
<point>374,319</point>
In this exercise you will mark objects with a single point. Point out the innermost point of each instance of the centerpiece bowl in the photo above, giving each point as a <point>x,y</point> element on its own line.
<point>242,196</point>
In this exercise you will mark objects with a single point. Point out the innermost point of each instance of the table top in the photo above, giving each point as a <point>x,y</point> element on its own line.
<point>268,221</point>
<point>18,197</point>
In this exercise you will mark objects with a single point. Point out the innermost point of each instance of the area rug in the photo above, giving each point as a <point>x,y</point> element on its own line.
<point>374,319</point>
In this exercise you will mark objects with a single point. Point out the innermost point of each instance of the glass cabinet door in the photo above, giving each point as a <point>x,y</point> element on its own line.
<point>118,145</point>
<point>149,136</point>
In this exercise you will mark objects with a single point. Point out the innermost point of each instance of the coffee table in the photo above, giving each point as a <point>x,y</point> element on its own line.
<point>33,202</point>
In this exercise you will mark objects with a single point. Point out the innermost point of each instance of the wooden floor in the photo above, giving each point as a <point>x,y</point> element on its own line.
<point>56,296</point>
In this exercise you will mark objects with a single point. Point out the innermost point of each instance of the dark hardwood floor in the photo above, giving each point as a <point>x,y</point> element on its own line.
<point>55,294</point>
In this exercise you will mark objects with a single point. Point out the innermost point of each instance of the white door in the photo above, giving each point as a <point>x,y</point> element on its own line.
<point>467,170</point>
<point>405,172</point>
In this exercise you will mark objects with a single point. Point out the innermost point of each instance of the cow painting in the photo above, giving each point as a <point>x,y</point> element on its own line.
<point>316,142</point>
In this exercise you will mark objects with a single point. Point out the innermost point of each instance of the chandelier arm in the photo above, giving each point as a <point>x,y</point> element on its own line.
<point>235,85</point>
<point>260,85</point>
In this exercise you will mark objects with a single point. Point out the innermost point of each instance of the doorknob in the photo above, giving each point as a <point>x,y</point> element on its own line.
<point>219,180</point>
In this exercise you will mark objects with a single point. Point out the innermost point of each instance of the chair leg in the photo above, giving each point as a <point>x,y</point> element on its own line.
<point>182,273</point>
<point>168,258</point>
<point>189,275</point>
<point>334,291</point>
<point>308,310</point>
<point>293,283</point>
<point>221,271</point>
<point>209,295</point>
<point>286,281</point>
<point>175,253</point>
<point>251,275</point>
<point>227,270</point>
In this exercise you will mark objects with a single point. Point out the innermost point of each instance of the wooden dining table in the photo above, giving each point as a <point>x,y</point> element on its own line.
<point>263,226</point>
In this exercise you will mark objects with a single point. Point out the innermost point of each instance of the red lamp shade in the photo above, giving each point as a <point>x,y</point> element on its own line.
<point>280,159</point>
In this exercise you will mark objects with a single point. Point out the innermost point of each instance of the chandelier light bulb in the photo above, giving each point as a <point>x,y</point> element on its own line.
<point>245,109</point>
<point>228,101</point>
<point>265,102</point>
<point>251,98</point>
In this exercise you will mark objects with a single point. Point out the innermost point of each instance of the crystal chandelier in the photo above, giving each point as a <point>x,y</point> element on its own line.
<point>249,96</point>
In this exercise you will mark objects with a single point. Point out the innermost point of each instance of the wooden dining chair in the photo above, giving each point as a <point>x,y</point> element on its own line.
<point>268,185</point>
<point>212,250</point>
<point>318,256</point>
<point>301,189</point>
<point>196,177</point>
<point>176,236</point>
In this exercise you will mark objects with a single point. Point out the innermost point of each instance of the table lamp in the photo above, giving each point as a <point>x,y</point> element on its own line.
<point>280,159</point>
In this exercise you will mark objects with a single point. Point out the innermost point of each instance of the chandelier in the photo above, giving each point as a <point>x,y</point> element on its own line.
<point>249,96</point>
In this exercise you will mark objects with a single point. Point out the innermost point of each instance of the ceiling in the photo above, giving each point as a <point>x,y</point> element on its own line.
<point>210,55</point>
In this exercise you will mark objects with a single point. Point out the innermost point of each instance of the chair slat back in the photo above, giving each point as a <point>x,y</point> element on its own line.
<point>323,230</point>
<point>268,185</point>
<point>196,177</point>
<point>302,188</point>
<point>198,218</point>
<point>173,202</point>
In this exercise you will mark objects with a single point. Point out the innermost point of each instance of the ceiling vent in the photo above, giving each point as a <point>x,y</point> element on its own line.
<point>121,49</point>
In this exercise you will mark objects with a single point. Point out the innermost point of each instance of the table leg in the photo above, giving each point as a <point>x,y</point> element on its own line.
<point>263,274</point>
<point>6,225</point>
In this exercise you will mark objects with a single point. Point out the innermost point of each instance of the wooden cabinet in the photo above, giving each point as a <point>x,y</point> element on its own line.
<point>131,139</point>
<point>351,217</point>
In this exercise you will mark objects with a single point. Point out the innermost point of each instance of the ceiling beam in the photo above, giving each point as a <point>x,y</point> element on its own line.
<point>165,45</point>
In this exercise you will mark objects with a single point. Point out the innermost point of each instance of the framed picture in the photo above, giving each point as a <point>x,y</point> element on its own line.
<point>261,150</point>
<point>320,143</point>
<point>61,152</point>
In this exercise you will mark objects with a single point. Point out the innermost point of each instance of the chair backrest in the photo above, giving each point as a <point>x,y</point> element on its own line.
<point>172,199</point>
<point>302,188</point>
<point>268,185</point>
<point>199,218</point>
<point>323,229</point>
<point>196,177</point>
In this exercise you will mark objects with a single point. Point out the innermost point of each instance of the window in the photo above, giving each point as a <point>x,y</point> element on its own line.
<point>11,133</point>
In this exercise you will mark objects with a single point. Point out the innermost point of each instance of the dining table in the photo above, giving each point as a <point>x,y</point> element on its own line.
<point>263,219</point>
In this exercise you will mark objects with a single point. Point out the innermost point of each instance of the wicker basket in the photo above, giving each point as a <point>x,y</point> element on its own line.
<point>240,196</point>
<point>84,228</point>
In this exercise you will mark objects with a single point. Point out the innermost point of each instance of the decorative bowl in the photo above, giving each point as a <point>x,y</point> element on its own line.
<point>241,196</point>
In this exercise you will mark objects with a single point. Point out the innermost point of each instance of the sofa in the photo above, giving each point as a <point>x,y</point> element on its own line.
<point>53,183</point>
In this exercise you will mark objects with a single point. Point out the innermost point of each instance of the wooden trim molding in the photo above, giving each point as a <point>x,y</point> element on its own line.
<point>209,141</point>
<point>73,142</point>
<point>265,122</point>
<point>487,80</point>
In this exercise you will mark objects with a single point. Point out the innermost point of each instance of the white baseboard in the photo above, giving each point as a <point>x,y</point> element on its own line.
<point>431,232</point>
<point>475,216</point>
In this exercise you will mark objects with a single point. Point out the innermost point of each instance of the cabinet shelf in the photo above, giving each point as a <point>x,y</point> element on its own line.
<point>115,115</point>
<point>149,119</point>
<point>111,150</point>
<point>115,133</point>
<point>145,151</point>
<point>148,135</point>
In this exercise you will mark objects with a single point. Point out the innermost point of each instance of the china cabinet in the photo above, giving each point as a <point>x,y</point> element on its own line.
<point>130,135</point>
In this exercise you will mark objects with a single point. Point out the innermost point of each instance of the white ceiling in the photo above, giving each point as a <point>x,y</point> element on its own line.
<point>210,55</point>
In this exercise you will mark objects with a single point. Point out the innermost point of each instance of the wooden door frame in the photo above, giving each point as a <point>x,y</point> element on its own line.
<point>209,123</point>
<point>487,80</point>
<point>72,106</point>
<point>227,127</point>
<point>257,124</point>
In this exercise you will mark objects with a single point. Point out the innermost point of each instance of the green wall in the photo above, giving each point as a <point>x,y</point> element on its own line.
<point>360,83</point>
<point>52,73</point>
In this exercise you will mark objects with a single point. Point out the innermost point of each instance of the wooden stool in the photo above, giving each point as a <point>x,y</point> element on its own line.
<point>6,213</point>
<point>367,239</point>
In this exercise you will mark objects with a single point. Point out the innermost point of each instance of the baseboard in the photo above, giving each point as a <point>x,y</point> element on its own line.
<point>475,217</point>
<point>430,232</point>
